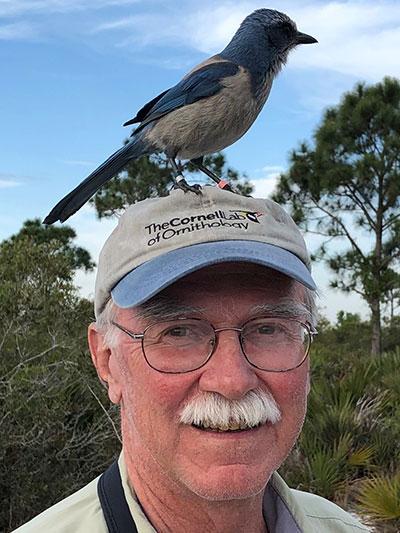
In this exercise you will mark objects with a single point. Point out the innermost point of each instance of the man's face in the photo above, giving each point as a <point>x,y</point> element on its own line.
<point>213,465</point>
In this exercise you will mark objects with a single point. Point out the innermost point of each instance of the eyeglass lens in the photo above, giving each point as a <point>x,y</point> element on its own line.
<point>275,344</point>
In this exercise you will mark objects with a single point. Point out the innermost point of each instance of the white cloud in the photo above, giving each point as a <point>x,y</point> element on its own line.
<point>264,187</point>
<point>8,180</point>
<point>77,162</point>
<point>6,183</point>
<point>358,39</point>
<point>17,30</point>
<point>272,169</point>
<point>265,180</point>
<point>12,8</point>
<point>205,29</point>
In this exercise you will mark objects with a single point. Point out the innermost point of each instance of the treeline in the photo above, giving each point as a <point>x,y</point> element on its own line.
<point>55,434</point>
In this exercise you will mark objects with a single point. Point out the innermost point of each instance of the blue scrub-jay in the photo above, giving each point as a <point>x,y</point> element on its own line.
<point>208,110</point>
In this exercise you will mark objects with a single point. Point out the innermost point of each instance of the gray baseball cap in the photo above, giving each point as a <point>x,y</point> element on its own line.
<point>160,240</point>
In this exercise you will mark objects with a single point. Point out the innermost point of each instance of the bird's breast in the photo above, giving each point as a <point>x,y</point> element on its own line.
<point>210,124</point>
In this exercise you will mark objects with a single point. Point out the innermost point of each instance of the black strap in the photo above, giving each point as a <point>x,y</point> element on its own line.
<point>113,502</point>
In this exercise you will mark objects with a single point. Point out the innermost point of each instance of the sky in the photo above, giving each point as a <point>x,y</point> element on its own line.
<point>72,71</point>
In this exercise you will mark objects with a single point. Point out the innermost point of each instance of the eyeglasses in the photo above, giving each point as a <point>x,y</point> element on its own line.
<point>182,345</point>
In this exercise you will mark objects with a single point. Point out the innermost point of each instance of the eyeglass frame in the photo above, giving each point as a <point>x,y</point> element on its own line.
<point>140,336</point>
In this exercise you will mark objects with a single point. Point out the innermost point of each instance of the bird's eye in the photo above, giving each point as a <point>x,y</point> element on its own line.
<point>287,30</point>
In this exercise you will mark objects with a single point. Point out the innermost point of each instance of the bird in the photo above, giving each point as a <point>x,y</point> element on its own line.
<point>212,106</point>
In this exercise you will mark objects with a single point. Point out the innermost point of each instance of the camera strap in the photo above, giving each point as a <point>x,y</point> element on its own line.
<point>113,502</point>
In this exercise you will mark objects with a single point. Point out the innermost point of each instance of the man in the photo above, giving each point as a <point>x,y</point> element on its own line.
<point>205,315</point>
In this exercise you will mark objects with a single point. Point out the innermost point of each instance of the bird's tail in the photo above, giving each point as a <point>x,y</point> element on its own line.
<point>81,194</point>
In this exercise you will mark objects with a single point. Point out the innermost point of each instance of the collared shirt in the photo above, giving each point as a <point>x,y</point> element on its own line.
<point>285,511</point>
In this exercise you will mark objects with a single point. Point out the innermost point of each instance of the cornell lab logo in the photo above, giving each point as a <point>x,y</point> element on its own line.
<point>250,215</point>
<point>236,218</point>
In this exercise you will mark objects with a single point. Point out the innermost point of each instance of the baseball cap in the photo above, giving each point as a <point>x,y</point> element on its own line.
<point>159,240</point>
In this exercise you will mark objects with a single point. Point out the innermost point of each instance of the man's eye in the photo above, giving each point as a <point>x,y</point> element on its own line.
<point>179,331</point>
<point>266,330</point>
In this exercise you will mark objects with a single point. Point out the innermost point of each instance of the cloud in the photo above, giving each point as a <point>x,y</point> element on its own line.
<point>17,30</point>
<point>205,29</point>
<point>264,187</point>
<point>12,8</point>
<point>8,181</point>
<point>7,184</point>
<point>78,162</point>
<point>273,169</point>
<point>265,183</point>
<point>357,39</point>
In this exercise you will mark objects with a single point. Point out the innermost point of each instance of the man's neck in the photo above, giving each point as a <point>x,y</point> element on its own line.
<point>170,506</point>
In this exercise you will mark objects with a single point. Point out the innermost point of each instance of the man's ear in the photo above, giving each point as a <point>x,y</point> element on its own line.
<point>102,357</point>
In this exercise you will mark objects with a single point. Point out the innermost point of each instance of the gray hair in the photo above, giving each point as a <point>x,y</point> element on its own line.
<point>104,323</point>
<point>310,302</point>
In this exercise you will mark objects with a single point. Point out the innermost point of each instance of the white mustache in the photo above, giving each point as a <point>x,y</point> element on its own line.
<point>214,410</point>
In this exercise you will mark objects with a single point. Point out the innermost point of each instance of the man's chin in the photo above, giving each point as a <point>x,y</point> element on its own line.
<point>229,482</point>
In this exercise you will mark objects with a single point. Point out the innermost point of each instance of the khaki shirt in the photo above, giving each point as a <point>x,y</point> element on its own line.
<point>285,511</point>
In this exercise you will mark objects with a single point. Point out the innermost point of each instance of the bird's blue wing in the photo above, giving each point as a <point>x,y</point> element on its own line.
<point>202,83</point>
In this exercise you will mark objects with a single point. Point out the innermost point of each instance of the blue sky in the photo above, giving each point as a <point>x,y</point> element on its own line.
<point>72,71</point>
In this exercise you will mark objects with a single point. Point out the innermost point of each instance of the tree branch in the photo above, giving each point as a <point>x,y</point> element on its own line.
<point>390,222</point>
<point>342,226</point>
<point>106,412</point>
<point>353,196</point>
<point>25,361</point>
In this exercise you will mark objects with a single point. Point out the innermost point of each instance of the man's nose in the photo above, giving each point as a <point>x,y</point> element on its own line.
<point>228,372</point>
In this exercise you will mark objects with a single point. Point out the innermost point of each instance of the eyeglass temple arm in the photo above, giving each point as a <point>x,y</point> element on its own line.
<point>134,336</point>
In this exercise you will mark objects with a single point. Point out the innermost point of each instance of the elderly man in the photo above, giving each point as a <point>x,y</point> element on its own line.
<point>205,316</point>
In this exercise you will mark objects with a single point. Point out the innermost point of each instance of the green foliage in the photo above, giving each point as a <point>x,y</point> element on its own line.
<point>63,237</point>
<point>351,436</point>
<point>378,498</point>
<point>54,433</point>
<point>347,186</point>
<point>151,176</point>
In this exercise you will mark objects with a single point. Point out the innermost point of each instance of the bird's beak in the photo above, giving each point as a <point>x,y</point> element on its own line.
<point>303,38</point>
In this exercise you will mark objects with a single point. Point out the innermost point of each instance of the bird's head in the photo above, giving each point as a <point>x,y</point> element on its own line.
<point>280,31</point>
<point>267,36</point>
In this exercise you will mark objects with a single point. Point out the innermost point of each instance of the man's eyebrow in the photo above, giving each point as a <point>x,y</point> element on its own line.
<point>164,308</point>
<point>287,308</point>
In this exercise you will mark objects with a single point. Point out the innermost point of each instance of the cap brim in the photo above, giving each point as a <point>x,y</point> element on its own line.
<point>148,279</point>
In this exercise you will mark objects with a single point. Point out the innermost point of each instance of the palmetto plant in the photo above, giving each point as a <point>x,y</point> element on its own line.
<point>378,497</point>
<point>351,438</point>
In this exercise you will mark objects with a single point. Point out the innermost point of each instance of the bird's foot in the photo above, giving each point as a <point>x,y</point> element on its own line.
<point>221,184</point>
<point>181,183</point>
